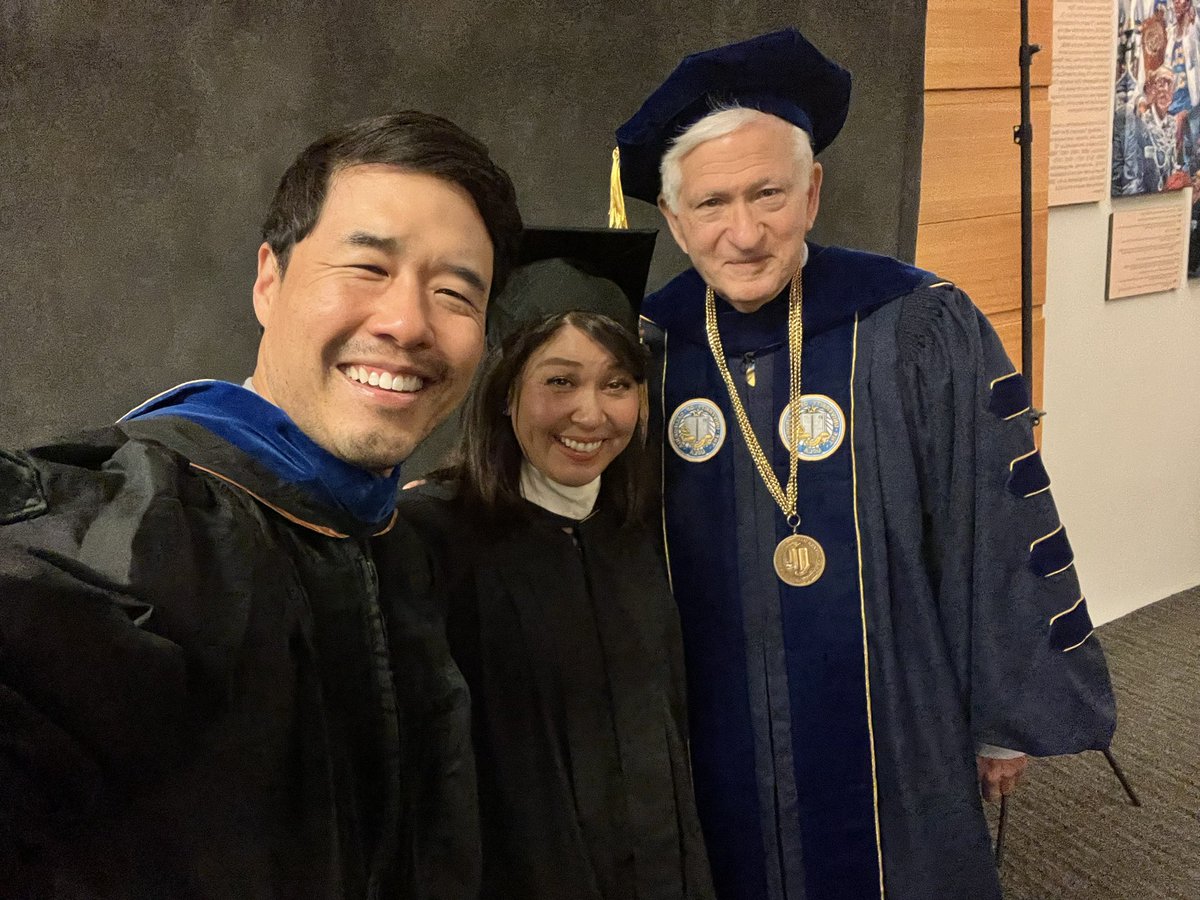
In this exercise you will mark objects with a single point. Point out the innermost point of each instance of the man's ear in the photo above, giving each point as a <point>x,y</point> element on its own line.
<point>672,223</point>
<point>814,194</point>
<point>266,284</point>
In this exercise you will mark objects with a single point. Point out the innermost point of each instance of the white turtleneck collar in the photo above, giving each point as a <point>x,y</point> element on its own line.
<point>570,502</point>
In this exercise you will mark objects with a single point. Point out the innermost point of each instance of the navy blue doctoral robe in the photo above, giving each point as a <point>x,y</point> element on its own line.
<point>834,726</point>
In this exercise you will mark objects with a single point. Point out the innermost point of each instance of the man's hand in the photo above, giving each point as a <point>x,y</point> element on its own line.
<point>999,776</point>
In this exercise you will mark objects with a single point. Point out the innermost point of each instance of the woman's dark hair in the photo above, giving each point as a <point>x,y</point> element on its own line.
<point>412,141</point>
<point>488,464</point>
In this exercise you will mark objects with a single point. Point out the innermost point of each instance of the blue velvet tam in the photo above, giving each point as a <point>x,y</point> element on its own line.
<point>779,73</point>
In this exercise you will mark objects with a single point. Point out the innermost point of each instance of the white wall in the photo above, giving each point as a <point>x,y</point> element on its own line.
<point>1122,438</point>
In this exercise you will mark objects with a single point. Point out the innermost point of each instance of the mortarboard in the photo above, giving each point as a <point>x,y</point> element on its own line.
<point>601,270</point>
<point>779,73</point>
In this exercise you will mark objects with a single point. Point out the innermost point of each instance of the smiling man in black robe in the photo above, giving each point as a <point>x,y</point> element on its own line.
<point>876,593</point>
<point>208,685</point>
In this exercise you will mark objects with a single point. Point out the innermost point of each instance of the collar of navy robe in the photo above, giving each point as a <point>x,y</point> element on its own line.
<point>838,283</point>
<point>268,435</point>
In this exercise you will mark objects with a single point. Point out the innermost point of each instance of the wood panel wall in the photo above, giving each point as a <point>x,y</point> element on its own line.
<point>969,229</point>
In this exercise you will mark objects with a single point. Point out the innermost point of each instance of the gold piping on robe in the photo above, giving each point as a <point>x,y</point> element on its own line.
<point>862,601</point>
<point>1081,643</point>
<point>1050,535</point>
<point>662,462</point>
<point>1059,571</point>
<point>996,381</point>
<point>1035,493</point>
<point>1021,457</point>
<point>1074,606</point>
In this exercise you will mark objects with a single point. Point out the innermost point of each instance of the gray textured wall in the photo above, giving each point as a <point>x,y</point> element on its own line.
<point>140,141</point>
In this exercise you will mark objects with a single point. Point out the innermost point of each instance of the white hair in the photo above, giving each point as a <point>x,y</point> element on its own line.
<point>721,121</point>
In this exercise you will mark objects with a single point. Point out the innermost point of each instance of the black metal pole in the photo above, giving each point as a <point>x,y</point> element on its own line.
<point>1000,830</point>
<point>1120,773</point>
<point>1023,135</point>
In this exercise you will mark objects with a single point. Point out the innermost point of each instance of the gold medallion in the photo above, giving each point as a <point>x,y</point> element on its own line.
<point>799,560</point>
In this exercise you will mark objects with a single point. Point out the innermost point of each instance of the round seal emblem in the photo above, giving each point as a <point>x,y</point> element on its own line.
<point>696,430</point>
<point>822,427</point>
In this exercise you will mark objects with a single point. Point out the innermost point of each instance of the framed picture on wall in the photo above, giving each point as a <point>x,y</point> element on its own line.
<point>1156,115</point>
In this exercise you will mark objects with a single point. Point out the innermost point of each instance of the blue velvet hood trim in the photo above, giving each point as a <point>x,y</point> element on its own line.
<point>265,432</point>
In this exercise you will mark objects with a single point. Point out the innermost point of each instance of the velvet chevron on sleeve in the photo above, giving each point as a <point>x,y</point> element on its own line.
<point>1012,605</point>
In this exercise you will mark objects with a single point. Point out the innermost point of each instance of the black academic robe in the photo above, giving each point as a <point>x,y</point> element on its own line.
<point>834,726</point>
<point>569,641</point>
<point>204,692</point>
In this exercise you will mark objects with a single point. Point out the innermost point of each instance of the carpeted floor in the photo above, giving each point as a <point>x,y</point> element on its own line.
<point>1072,833</point>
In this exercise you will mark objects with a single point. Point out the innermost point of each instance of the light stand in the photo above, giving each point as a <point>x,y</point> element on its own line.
<point>1023,136</point>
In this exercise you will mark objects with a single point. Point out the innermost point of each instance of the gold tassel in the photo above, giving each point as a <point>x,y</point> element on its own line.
<point>616,197</point>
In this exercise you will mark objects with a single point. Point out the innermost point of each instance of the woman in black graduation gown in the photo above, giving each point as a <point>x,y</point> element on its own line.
<point>560,617</point>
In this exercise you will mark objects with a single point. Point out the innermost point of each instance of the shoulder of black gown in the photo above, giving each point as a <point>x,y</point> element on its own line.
<point>113,552</point>
<point>434,515</point>
<point>130,518</point>
<point>431,506</point>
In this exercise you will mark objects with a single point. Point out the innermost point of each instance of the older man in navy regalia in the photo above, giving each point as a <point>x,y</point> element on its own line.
<point>874,585</point>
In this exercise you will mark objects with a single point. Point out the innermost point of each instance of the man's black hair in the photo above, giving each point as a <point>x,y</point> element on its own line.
<point>410,140</point>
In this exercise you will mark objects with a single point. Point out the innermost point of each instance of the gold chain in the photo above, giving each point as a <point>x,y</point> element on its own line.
<point>786,498</point>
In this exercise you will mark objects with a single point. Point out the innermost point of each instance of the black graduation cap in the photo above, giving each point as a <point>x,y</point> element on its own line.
<point>779,73</point>
<point>602,270</point>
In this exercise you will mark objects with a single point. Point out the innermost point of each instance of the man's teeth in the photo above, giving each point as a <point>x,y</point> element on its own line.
<point>580,446</point>
<point>385,380</point>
